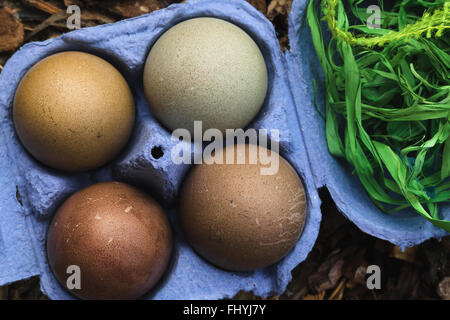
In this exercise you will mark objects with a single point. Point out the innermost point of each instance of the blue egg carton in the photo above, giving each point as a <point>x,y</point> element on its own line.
<point>32,192</point>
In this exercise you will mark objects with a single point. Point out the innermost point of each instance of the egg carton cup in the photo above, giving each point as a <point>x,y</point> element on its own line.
<point>32,192</point>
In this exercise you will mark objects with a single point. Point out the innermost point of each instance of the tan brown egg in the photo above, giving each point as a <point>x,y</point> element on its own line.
<point>73,111</point>
<point>238,218</point>
<point>118,237</point>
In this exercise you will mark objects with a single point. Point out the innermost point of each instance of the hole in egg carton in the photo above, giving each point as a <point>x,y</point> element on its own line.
<point>157,152</point>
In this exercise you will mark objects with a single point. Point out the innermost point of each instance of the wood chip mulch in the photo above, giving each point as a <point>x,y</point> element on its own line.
<point>336,267</point>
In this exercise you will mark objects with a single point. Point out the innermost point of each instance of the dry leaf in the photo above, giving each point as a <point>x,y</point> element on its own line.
<point>43,6</point>
<point>443,288</point>
<point>130,9</point>
<point>50,21</point>
<point>326,278</point>
<point>90,16</point>
<point>278,7</point>
<point>319,296</point>
<point>338,293</point>
<point>259,4</point>
<point>123,8</point>
<point>3,292</point>
<point>408,255</point>
<point>360,275</point>
<point>383,246</point>
<point>299,294</point>
<point>73,2</point>
<point>11,30</point>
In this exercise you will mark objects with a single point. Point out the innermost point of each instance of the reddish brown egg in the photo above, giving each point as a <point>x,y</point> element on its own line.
<point>118,237</point>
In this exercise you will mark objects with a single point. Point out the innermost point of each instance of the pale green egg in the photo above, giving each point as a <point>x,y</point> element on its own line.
<point>205,69</point>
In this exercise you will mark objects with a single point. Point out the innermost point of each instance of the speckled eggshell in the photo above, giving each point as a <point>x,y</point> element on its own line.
<point>73,111</point>
<point>237,218</point>
<point>205,69</point>
<point>119,237</point>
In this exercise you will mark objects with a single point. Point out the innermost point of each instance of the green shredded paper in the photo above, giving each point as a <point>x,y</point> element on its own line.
<point>388,98</point>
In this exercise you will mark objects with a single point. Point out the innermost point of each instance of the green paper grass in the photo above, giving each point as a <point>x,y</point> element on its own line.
<point>388,99</point>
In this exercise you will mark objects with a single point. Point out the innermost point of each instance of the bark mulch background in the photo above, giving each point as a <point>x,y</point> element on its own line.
<point>336,267</point>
